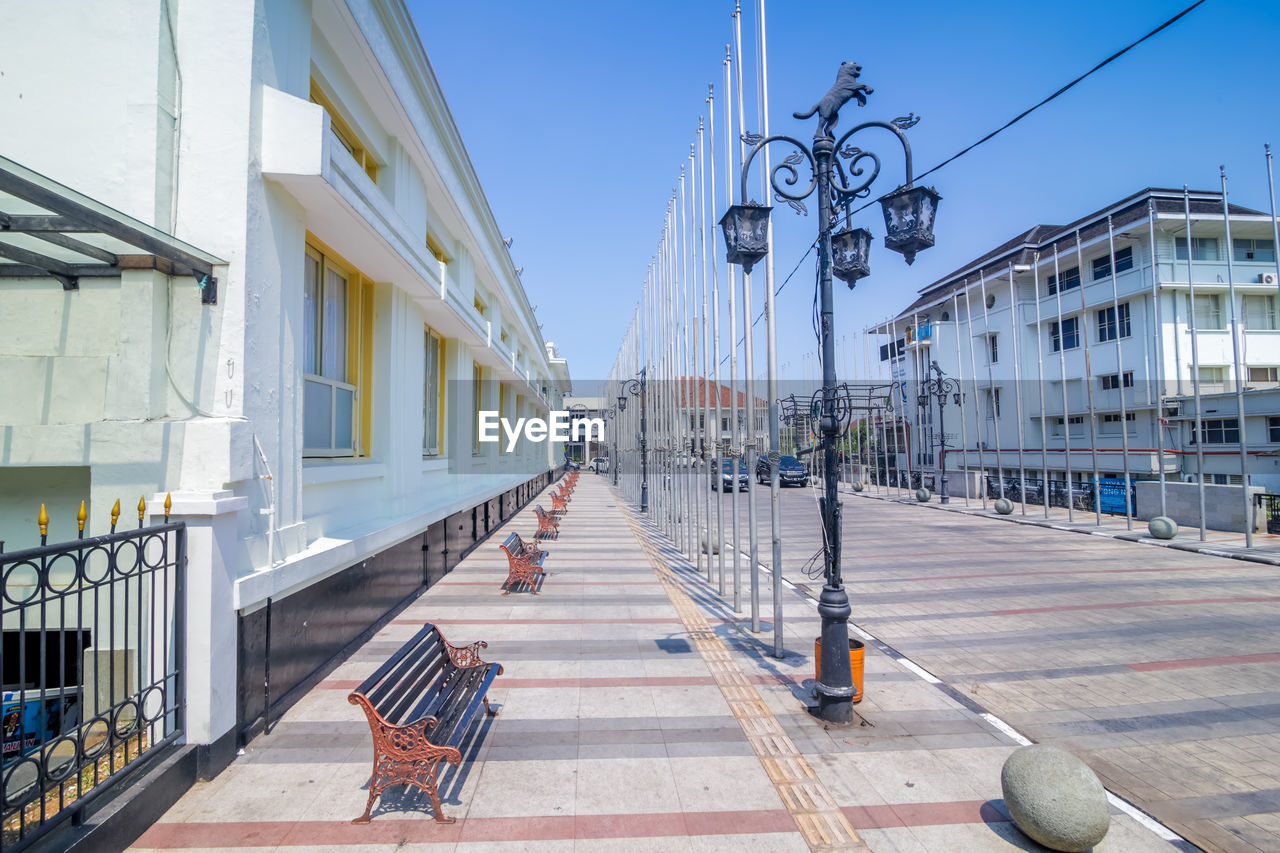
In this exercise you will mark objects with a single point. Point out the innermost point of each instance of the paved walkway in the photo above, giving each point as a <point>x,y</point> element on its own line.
<point>638,712</point>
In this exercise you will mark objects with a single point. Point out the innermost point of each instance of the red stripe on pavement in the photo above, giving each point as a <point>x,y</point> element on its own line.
<point>496,580</point>
<point>651,620</point>
<point>423,830</point>
<point>1192,663</point>
<point>1121,604</point>
<point>619,681</point>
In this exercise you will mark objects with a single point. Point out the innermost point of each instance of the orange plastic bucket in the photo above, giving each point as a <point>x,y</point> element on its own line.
<point>856,658</point>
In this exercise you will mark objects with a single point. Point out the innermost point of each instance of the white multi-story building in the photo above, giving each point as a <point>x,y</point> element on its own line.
<point>316,426</point>
<point>1092,323</point>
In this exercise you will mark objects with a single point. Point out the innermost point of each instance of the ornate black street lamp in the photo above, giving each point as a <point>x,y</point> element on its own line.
<point>942,389</point>
<point>908,214</point>
<point>636,388</point>
<point>582,412</point>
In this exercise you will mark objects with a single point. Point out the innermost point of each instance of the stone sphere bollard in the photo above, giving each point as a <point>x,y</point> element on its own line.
<point>1004,506</point>
<point>857,485</point>
<point>923,495</point>
<point>1055,798</point>
<point>1162,527</point>
<point>709,545</point>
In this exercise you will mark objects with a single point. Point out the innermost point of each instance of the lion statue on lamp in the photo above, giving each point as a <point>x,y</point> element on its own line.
<point>846,88</point>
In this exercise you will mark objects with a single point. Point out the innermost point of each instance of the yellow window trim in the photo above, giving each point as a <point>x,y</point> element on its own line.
<point>440,437</point>
<point>477,384</point>
<point>359,334</point>
<point>436,251</point>
<point>345,134</point>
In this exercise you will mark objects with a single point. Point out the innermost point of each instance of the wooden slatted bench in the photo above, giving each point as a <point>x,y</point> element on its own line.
<point>524,563</point>
<point>548,525</point>
<point>420,704</point>
<point>559,504</point>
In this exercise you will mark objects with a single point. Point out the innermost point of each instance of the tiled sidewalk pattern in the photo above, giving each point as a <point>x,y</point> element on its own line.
<point>1160,667</point>
<point>618,729</point>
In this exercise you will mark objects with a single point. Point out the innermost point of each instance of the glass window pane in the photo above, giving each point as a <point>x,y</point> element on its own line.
<point>344,405</point>
<point>431,395</point>
<point>316,415</point>
<point>310,312</point>
<point>333,348</point>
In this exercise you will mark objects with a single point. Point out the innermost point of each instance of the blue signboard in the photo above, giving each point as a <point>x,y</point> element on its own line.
<point>1111,495</point>
<point>29,722</point>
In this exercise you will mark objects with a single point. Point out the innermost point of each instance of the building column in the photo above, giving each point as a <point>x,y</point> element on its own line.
<point>213,555</point>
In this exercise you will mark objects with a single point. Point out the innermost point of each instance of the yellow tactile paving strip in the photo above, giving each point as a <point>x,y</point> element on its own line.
<point>820,821</point>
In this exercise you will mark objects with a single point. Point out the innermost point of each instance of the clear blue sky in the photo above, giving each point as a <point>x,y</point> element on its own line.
<point>578,115</point>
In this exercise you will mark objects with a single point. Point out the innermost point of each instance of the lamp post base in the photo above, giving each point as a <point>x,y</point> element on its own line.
<point>944,493</point>
<point>835,680</point>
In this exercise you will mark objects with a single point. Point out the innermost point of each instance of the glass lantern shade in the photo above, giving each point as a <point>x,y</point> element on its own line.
<point>908,220</point>
<point>622,403</point>
<point>746,233</point>
<point>850,251</point>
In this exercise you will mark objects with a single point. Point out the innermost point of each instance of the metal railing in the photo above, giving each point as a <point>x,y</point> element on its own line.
<point>1270,504</point>
<point>93,633</point>
<point>1080,496</point>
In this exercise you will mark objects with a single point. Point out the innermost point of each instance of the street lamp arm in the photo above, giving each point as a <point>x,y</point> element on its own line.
<point>854,154</point>
<point>787,167</point>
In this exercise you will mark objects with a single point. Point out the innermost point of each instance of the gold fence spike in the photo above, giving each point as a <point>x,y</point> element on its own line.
<point>115,513</point>
<point>168,504</point>
<point>43,520</point>
<point>142,508</point>
<point>81,516</point>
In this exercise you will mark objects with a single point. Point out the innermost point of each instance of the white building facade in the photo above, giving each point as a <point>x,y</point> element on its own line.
<point>317,426</point>
<point>1074,349</point>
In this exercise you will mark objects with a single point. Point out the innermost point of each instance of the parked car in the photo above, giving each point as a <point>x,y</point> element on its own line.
<point>726,479</point>
<point>791,471</point>
<point>600,465</point>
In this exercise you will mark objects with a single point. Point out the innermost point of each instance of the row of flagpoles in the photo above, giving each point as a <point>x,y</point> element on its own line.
<point>677,343</point>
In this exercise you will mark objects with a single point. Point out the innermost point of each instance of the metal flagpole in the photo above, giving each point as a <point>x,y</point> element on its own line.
<point>735,453</point>
<point>1237,368</point>
<point>1198,435</point>
<point>977,414</point>
<point>964,431</point>
<point>688,292</point>
<point>1124,410</point>
<point>681,330</point>
<point>1083,328</point>
<point>749,366</point>
<point>673,383</point>
<point>1016,325</point>
<point>695,391</point>
<point>896,394</point>
<point>1275,223</point>
<point>991,380</point>
<point>1062,370</point>
<point>771,350</point>
<point>715,302</point>
<point>704,398</point>
<point>1159,344</point>
<point>1044,415</point>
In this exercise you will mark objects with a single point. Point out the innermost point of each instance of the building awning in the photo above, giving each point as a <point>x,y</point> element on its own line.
<point>48,230</point>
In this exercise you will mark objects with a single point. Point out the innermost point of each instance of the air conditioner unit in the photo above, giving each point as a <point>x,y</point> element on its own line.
<point>1267,278</point>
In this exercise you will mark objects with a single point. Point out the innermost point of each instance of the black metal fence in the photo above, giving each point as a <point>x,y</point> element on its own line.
<point>91,660</point>
<point>1270,505</point>
<point>1080,497</point>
